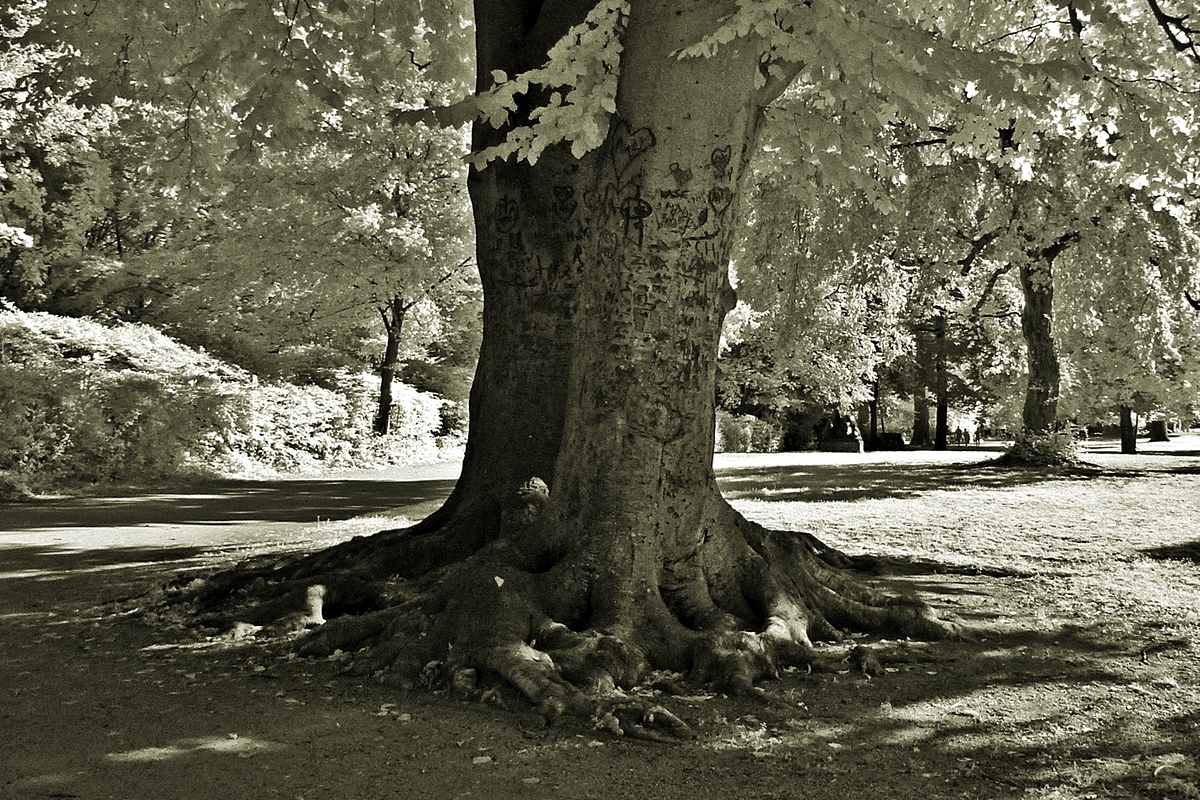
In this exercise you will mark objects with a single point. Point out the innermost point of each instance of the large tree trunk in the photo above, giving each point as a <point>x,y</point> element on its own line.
<point>529,234</point>
<point>586,540</point>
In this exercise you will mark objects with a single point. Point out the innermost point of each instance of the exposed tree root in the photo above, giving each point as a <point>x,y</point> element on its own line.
<point>514,608</point>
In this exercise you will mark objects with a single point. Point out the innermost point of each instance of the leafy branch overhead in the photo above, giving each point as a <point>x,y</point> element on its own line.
<point>577,95</point>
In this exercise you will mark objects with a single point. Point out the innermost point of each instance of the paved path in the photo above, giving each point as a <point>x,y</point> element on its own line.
<point>119,537</point>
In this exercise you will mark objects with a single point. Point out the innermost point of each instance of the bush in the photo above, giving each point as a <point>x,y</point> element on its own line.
<point>450,381</point>
<point>81,402</point>
<point>745,434</point>
<point>301,428</point>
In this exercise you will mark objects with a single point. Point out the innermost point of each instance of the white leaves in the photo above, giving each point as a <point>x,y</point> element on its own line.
<point>403,237</point>
<point>11,237</point>
<point>1023,166</point>
<point>582,70</point>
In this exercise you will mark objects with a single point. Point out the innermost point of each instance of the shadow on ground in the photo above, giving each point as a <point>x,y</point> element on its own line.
<point>49,561</point>
<point>826,482</point>
<point>1185,551</point>
<point>227,502</point>
<point>87,577</point>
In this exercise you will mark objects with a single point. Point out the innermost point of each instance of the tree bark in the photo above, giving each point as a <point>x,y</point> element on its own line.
<point>1158,430</point>
<point>1037,326</point>
<point>528,249</point>
<point>1128,431</point>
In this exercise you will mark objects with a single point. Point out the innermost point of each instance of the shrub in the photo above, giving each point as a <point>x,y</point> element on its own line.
<point>82,402</point>
<point>300,428</point>
<point>745,434</point>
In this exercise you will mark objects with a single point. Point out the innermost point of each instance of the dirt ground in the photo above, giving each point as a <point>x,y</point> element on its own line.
<point>1084,681</point>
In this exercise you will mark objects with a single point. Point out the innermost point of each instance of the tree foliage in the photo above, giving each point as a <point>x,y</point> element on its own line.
<point>54,182</point>
<point>1030,128</point>
<point>235,121</point>
<point>234,176</point>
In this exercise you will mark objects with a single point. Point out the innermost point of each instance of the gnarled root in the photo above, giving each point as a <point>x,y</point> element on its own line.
<point>637,718</point>
<point>521,610</point>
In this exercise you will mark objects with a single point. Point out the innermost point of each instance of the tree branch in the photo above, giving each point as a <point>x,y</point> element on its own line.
<point>1181,36</point>
<point>441,280</point>
<point>1017,32</point>
<point>967,262</point>
<point>987,290</point>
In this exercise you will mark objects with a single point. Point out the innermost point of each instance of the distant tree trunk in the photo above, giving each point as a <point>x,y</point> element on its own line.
<point>1034,445</point>
<point>1158,430</point>
<point>920,435</point>
<point>873,410</point>
<point>1037,319</point>
<point>1128,431</point>
<point>393,323</point>
<point>941,385</point>
<point>1037,326</point>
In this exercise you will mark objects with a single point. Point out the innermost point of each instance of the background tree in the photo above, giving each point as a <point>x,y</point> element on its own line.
<point>1126,342</point>
<point>316,248</point>
<point>259,201</point>
<point>825,299</point>
<point>54,183</point>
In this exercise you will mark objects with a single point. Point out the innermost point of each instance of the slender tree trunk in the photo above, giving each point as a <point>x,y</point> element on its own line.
<point>1128,431</point>
<point>920,434</point>
<point>873,412</point>
<point>942,416</point>
<point>393,323</point>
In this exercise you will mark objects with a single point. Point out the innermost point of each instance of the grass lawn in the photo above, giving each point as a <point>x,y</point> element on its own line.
<point>1085,586</point>
<point>1082,681</point>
